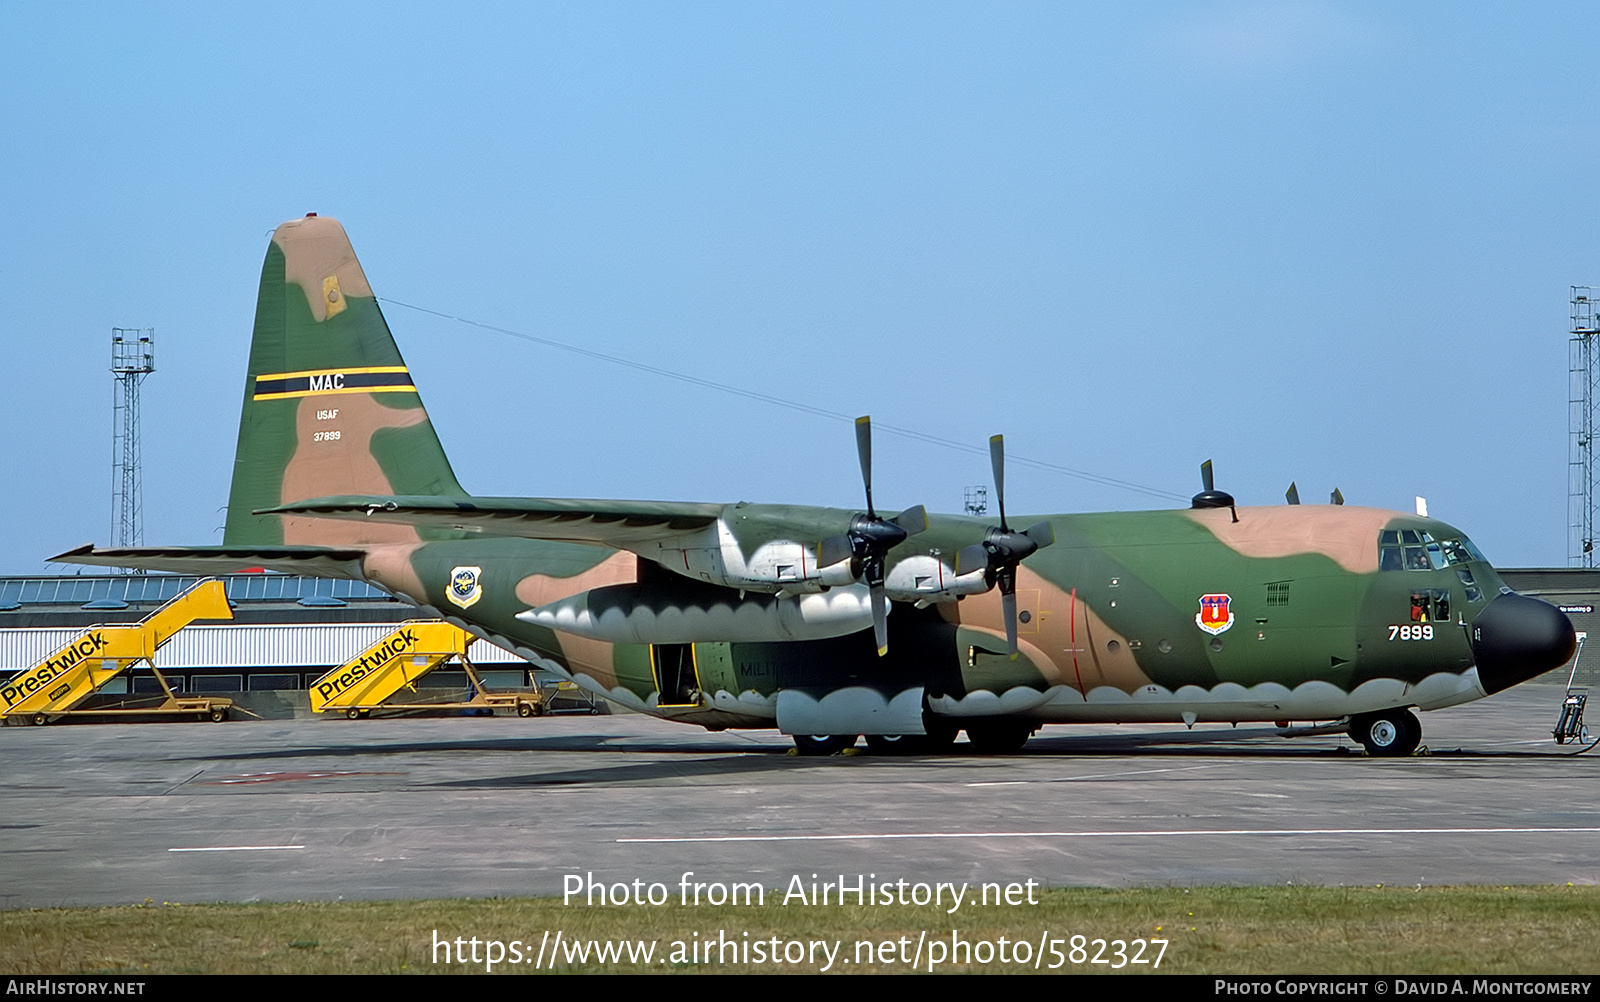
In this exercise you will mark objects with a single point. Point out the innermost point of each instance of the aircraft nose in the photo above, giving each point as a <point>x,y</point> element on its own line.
<point>1516,637</point>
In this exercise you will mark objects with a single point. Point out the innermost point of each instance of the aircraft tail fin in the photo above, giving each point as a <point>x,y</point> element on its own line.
<point>329,406</point>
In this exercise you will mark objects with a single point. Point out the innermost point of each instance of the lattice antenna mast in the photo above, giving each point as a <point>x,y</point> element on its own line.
<point>133,357</point>
<point>975,499</point>
<point>1581,399</point>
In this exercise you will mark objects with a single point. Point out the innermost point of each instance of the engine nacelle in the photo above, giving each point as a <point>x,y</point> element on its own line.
<point>923,577</point>
<point>715,557</point>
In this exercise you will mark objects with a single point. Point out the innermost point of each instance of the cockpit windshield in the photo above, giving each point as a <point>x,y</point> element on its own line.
<point>1417,550</point>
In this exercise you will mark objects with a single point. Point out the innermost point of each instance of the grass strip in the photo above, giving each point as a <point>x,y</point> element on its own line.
<point>1210,930</point>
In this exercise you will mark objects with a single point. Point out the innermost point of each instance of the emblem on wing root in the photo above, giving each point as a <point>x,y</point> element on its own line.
<point>464,586</point>
<point>1215,615</point>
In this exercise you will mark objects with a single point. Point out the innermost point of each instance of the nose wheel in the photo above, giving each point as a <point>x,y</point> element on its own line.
<point>1387,733</point>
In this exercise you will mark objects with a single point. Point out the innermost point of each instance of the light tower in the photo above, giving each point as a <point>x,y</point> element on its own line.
<point>133,357</point>
<point>1580,422</point>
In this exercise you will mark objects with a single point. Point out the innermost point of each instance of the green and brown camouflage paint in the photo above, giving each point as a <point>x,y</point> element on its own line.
<point>1110,615</point>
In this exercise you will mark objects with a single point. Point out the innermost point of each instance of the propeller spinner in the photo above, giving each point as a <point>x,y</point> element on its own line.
<point>1003,549</point>
<point>870,538</point>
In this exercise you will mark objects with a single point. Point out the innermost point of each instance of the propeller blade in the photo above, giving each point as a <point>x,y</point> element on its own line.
<point>880,618</point>
<point>1336,497</point>
<point>1292,495</point>
<point>1008,602</point>
<point>834,549</point>
<point>970,558</point>
<point>912,520</point>
<point>1042,533</point>
<point>997,461</point>
<point>864,452</point>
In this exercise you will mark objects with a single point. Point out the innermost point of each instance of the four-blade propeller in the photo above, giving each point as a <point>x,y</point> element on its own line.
<point>870,538</point>
<point>1004,548</point>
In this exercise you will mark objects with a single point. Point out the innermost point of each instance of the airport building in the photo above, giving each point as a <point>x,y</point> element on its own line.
<point>286,632</point>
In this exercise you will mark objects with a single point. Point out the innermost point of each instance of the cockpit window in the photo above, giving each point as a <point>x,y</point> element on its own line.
<point>1389,558</point>
<point>1417,550</point>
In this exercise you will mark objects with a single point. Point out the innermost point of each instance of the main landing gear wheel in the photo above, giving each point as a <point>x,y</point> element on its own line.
<point>939,737</point>
<point>998,738</point>
<point>823,744</point>
<point>1387,733</point>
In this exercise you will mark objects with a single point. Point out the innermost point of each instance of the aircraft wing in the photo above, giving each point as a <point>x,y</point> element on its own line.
<point>622,525</point>
<point>319,561</point>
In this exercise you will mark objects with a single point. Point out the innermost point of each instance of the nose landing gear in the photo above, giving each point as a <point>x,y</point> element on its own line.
<point>1387,733</point>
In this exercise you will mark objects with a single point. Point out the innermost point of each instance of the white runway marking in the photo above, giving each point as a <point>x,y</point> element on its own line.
<point>236,848</point>
<point>1178,833</point>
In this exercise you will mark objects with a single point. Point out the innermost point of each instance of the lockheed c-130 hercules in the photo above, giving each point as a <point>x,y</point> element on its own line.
<point>834,623</point>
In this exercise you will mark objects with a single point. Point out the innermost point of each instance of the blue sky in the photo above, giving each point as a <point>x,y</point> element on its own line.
<point>1328,243</point>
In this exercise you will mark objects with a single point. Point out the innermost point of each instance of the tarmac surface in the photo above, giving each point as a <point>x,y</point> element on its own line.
<point>476,807</point>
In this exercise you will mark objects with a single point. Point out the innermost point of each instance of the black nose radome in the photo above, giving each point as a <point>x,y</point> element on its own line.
<point>1516,638</point>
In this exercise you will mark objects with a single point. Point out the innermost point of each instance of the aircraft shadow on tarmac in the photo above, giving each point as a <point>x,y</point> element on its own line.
<point>678,761</point>
<point>725,766</point>
<point>564,743</point>
<point>1243,741</point>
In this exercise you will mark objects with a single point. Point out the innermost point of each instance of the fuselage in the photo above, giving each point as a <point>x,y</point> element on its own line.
<point>1282,613</point>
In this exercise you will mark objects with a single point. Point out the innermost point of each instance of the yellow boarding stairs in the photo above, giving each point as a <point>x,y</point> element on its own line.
<point>396,662</point>
<point>53,687</point>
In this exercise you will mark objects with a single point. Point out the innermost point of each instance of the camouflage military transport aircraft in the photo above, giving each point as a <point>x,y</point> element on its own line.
<point>832,623</point>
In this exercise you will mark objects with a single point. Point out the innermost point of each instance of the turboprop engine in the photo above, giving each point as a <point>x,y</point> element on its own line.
<point>788,569</point>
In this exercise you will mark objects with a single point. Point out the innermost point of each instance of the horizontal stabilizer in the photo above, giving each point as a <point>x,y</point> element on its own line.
<point>315,561</point>
<point>619,524</point>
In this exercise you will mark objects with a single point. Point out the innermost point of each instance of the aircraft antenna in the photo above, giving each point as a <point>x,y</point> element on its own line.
<point>1581,399</point>
<point>133,357</point>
